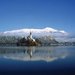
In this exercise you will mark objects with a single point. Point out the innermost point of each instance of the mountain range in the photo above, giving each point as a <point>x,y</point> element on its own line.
<point>48,31</point>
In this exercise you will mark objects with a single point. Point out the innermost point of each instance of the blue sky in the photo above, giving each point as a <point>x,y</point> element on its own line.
<point>18,14</point>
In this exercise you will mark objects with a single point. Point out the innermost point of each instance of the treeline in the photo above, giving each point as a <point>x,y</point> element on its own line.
<point>8,39</point>
<point>67,43</point>
<point>43,41</point>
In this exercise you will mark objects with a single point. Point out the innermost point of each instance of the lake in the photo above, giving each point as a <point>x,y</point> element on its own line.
<point>38,60</point>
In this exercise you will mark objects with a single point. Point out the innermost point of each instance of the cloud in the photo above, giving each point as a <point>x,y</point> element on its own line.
<point>43,31</point>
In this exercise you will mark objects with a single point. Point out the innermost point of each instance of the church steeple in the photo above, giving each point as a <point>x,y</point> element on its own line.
<point>30,36</point>
<point>30,33</point>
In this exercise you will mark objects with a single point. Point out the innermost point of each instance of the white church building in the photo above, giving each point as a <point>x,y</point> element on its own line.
<point>30,37</point>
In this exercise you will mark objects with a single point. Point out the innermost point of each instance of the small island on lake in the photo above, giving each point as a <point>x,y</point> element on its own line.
<point>29,41</point>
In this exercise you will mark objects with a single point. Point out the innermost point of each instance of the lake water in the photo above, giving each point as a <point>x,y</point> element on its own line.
<point>36,60</point>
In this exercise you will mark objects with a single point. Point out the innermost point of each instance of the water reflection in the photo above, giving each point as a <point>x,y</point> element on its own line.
<point>29,51</point>
<point>33,53</point>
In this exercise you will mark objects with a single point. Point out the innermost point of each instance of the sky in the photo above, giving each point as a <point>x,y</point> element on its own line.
<point>20,14</point>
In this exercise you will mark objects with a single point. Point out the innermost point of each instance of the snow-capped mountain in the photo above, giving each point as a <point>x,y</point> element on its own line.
<point>59,35</point>
<point>36,32</point>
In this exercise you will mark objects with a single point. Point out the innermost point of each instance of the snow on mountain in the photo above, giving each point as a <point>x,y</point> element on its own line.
<point>39,32</point>
<point>32,30</point>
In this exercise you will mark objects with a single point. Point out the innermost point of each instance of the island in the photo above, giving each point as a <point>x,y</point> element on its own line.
<point>29,41</point>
